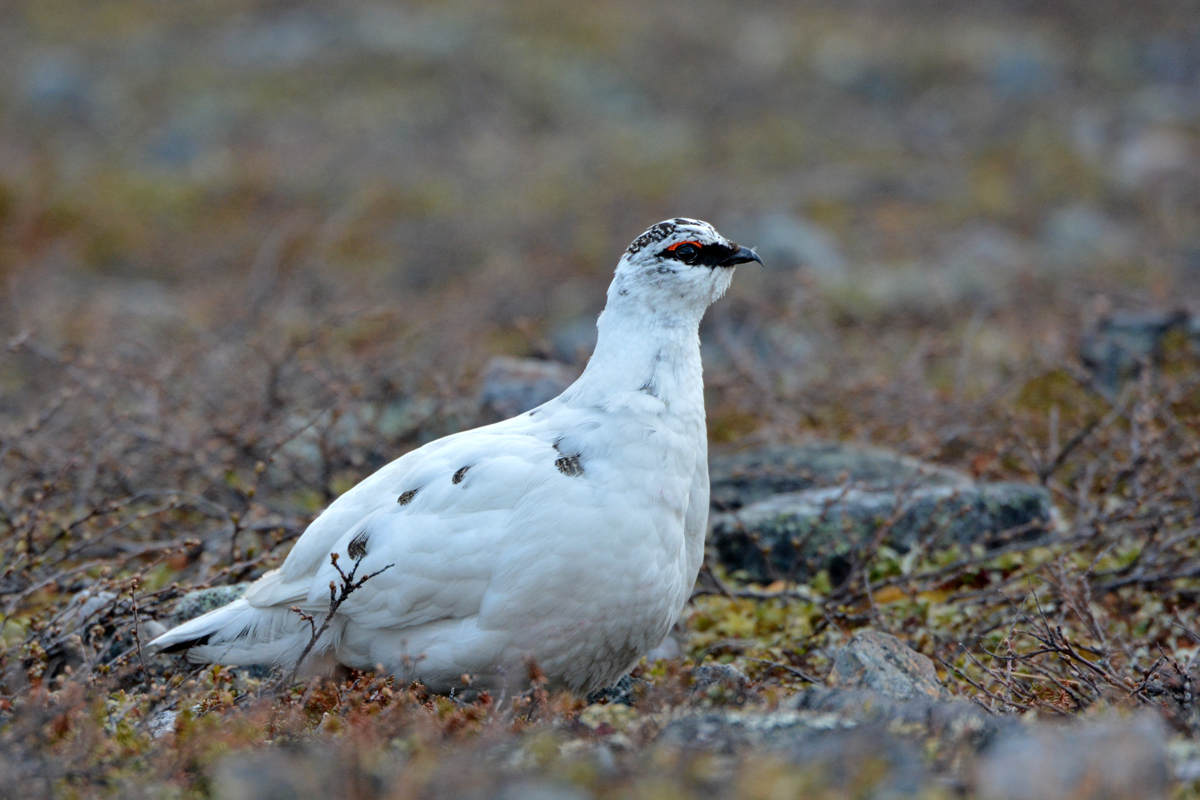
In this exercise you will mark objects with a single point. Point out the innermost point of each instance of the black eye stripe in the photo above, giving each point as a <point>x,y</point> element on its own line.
<point>710,255</point>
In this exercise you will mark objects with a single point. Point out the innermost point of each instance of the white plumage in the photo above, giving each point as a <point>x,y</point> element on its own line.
<point>570,535</point>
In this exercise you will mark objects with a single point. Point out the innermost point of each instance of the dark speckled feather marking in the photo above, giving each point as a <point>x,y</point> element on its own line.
<point>569,466</point>
<point>458,476</point>
<point>358,546</point>
<point>407,497</point>
<point>656,234</point>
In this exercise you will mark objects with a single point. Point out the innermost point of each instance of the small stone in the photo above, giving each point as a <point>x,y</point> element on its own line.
<point>512,386</point>
<point>1117,758</point>
<point>882,663</point>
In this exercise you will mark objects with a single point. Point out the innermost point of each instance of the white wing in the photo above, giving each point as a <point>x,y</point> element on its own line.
<point>431,525</point>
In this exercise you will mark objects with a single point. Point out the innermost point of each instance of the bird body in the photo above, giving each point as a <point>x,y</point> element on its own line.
<point>569,535</point>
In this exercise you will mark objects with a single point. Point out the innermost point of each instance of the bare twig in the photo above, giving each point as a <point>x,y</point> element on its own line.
<point>337,596</point>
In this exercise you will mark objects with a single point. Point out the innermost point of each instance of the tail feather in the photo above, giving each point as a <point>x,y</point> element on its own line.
<point>179,647</point>
<point>240,634</point>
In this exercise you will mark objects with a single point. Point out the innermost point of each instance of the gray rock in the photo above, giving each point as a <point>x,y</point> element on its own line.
<point>323,767</point>
<point>1173,689</point>
<point>57,81</point>
<point>952,721</point>
<point>539,790</point>
<point>1122,342</point>
<point>864,759</point>
<point>512,386</point>
<point>824,708</point>
<point>880,662</point>
<point>151,629</point>
<point>723,678</point>
<point>285,41</point>
<point>397,31</point>
<point>1080,236</point>
<point>1154,155</point>
<point>162,723</point>
<point>270,773</point>
<point>574,341</point>
<point>1184,756</point>
<point>626,692</point>
<point>741,478</point>
<point>1113,759</point>
<point>796,535</point>
<point>359,434</point>
<point>981,263</point>
<point>1022,66</point>
<point>201,601</point>
<point>85,607</point>
<point>787,242</point>
<point>671,647</point>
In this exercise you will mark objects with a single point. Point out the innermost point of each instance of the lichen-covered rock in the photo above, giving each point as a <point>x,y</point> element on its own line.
<point>742,478</point>
<point>882,663</point>
<point>796,535</point>
<point>201,601</point>
<point>953,721</point>
<point>512,386</point>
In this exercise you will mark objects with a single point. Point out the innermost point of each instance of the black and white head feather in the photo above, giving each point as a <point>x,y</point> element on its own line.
<point>679,262</point>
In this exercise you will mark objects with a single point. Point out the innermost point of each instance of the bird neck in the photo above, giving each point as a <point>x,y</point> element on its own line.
<point>645,350</point>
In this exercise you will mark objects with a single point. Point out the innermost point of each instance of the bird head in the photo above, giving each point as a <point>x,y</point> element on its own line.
<point>678,264</point>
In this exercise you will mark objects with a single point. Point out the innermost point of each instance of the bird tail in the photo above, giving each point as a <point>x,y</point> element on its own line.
<point>239,634</point>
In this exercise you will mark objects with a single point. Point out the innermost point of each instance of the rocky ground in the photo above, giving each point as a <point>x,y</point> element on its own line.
<point>251,251</point>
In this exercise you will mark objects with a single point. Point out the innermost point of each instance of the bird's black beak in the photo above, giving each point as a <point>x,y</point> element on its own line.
<point>741,255</point>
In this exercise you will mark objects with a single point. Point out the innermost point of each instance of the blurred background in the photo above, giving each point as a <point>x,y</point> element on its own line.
<point>941,191</point>
<point>251,250</point>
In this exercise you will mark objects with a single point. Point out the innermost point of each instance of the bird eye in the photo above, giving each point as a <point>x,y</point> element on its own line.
<point>686,252</point>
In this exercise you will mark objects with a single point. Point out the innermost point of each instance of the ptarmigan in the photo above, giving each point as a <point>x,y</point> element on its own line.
<point>569,536</point>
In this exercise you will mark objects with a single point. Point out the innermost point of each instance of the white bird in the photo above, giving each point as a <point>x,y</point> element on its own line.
<point>569,536</point>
